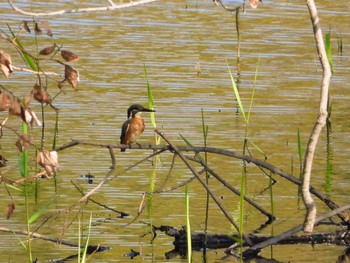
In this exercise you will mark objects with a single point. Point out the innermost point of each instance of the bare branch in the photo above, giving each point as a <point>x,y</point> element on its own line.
<point>195,173</point>
<point>272,241</point>
<point>250,159</point>
<point>110,7</point>
<point>320,122</point>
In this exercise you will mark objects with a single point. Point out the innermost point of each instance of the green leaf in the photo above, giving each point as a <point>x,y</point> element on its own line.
<point>257,148</point>
<point>150,98</point>
<point>238,97</point>
<point>188,225</point>
<point>329,49</point>
<point>38,213</point>
<point>27,59</point>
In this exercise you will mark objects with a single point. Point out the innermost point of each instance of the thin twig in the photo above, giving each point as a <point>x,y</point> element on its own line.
<point>250,159</point>
<point>193,170</point>
<point>110,7</point>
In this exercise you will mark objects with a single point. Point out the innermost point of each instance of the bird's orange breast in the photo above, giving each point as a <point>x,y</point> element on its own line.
<point>135,129</point>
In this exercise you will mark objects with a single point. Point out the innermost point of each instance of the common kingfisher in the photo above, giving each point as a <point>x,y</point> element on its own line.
<point>134,126</point>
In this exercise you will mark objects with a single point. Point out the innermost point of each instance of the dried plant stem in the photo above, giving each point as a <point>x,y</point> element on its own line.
<point>112,6</point>
<point>320,122</point>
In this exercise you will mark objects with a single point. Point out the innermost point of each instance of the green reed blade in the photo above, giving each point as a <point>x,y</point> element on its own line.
<point>27,59</point>
<point>188,225</point>
<point>150,98</point>
<point>38,213</point>
<point>188,143</point>
<point>83,260</point>
<point>238,97</point>
<point>300,154</point>
<point>329,49</point>
<point>253,92</point>
<point>257,148</point>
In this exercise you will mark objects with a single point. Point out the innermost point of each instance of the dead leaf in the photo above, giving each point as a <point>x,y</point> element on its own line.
<point>5,63</point>
<point>71,76</point>
<point>16,108</point>
<point>254,3</point>
<point>37,30</point>
<point>30,117</point>
<point>9,210</point>
<point>5,101</point>
<point>26,141</point>
<point>25,26</point>
<point>48,160</point>
<point>48,50</point>
<point>19,145</point>
<point>28,100</point>
<point>3,161</point>
<point>41,95</point>
<point>69,56</point>
<point>46,26</point>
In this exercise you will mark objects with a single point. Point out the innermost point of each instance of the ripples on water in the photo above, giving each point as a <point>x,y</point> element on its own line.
<point>170,37</point>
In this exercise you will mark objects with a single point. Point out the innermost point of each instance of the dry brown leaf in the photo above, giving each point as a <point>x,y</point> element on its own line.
<point>19,145</point>
<point>254,3</point>
<point>41,95</point>
<point>9,210</point>
<point>37,30</point>
<point>48,160</point>
<point>28,100</point>
<point>5,101</point>
<point>71,76</point>
<point>3,161</point>
<point>26,141</point>
<point>69,56</point>
<point>16,108</point>
<point>5,63</point>
<point>48,50</point>
<point>25,26</point>
<point>46,26</point>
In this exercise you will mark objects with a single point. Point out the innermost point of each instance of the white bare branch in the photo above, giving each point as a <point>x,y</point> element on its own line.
<point>112,6</point>
<point>320,122</point>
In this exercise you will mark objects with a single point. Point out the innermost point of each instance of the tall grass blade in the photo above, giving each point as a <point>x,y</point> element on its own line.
<point>253,92</point>
<point>150,98</point>
<point>79,237</point>
<point>27,59</point>
<point>329,49</point>
<point>329,167</point>
<point>151,105</point>
<point>238,97</point>
<point>23,167</point>
<point>37,214</point>
<point>188,143</point>
<point>257,148</point>
<point>300,155</point>
<point>83,260</point>
<point>204,129</point>
<point>188,226</point>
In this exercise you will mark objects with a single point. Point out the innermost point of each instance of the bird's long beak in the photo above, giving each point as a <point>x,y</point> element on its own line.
<point>147,110</point>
